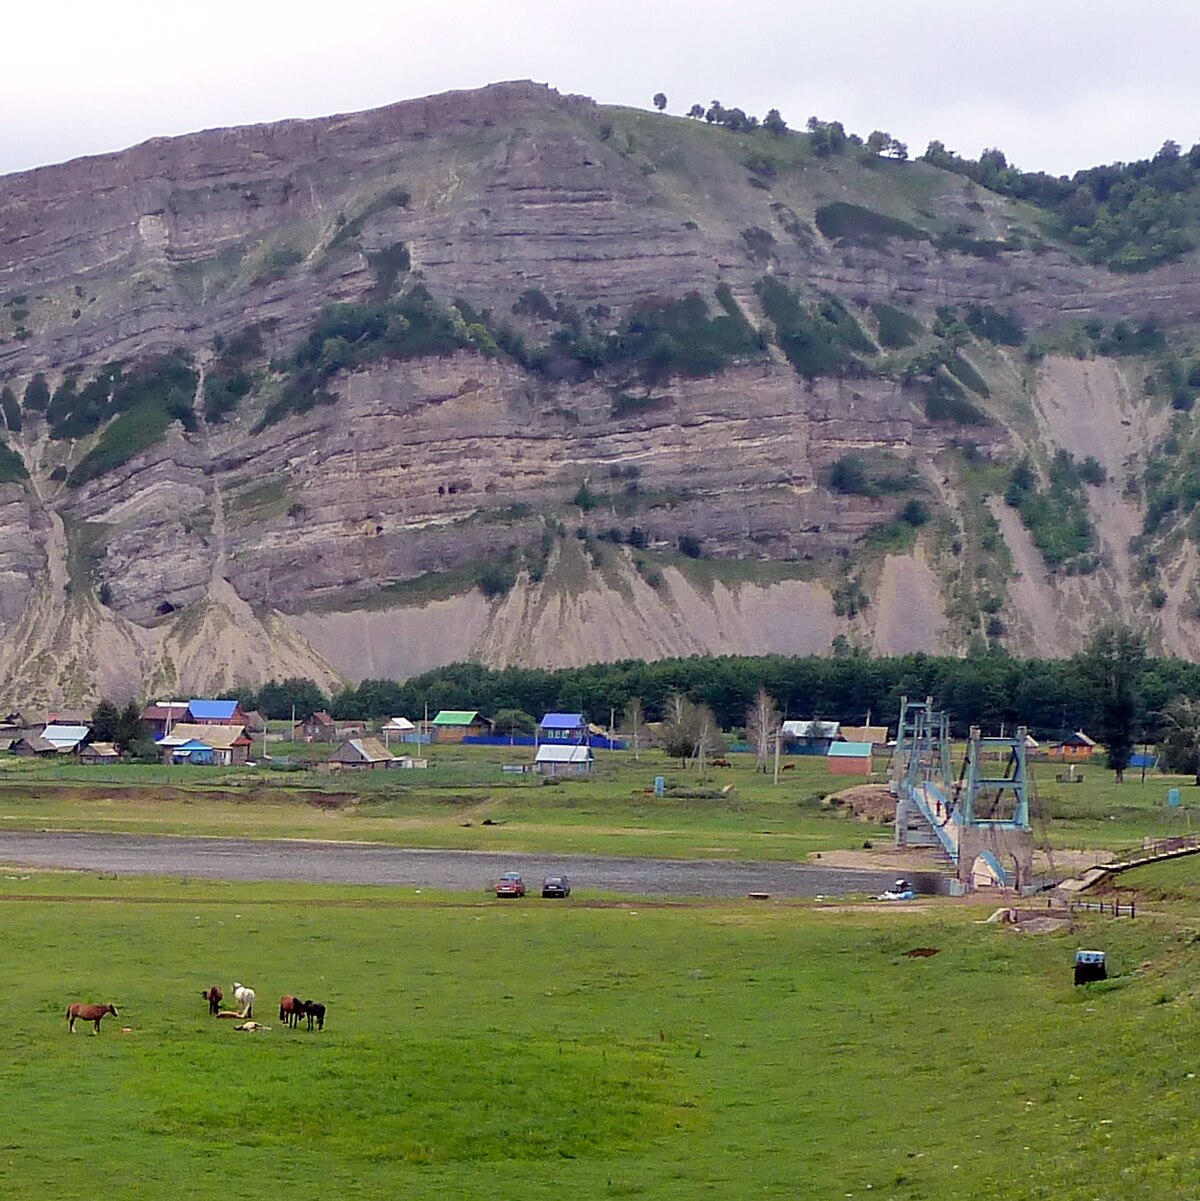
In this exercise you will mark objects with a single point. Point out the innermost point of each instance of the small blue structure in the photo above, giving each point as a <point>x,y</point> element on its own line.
<point>193,751</point>
<point>564,728</point>
<point>1089,966</point>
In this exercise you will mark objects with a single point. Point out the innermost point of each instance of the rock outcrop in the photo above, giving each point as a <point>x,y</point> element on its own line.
<point>348,539</point>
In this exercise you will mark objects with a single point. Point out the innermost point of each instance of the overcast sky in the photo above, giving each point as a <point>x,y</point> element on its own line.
<point>1057,84</point>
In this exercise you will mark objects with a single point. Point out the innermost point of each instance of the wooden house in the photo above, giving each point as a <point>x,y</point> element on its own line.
<point>1076,747</point>
<point>809,737</point>
<point>162,715</point>
<point>230,745</point>
<point>875,735</point>
<point>67,739</point>
<point>317,727</point>
<point>564,729</point>
<point>453,725</point>
<point>563,760</point>
<point>99,754</point>
<point>215,713</point>
<point>361,754</point>
<point>32,745</point>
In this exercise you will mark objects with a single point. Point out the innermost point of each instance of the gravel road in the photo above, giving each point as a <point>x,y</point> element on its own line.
<point>462,871</point>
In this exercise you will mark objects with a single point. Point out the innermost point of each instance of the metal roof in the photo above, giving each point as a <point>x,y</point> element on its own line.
<point>456,717</point>
<point>563,721</point>
<point>548,753</point>
<point>399,723</point>
<point>212,710</point>
<point>849,750</point>
<point>810,729</point>
<point>65,736</point>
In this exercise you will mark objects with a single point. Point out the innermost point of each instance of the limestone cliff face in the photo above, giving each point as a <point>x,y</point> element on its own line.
<point>346,541</point>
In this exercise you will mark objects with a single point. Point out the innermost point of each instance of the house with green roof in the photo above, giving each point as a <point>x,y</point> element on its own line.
<point>453,725</point>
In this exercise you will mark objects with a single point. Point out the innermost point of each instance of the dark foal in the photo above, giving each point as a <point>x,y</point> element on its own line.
<point>291,1010</point>
<point>89,1013</point>
<point>314,1009</point>
<point>213,996</point>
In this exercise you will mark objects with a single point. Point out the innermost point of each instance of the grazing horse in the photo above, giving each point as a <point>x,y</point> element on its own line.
<point>291,1010</point>
<point>314,1009</point>
<point>245,998</point>
<point>213,996</point>
<point>89,1013</point>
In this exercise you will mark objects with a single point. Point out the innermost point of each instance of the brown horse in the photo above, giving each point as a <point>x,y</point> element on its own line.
<point>214,997</point>
<point>291,1010</point>
<point>314,1009</point>
<point>89,1013</point>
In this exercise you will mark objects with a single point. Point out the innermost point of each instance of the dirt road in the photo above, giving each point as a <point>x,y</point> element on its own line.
<point>466,871</point>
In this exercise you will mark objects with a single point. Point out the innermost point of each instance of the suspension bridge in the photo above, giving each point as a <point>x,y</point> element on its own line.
<point>977,819</point>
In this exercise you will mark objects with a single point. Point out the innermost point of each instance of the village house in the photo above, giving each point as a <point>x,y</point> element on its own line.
<point>453,725</point>
<point>187,742</point>
<point>99,754</point>
<point>66,739</point>
<point>569,728</point>
<point>398,727</point>
<point>849,758</point>
<point>361,754</point>
<point>215,713</point>
<point>809,737</point>
<point>1074,748</point>
<point>317,727</point>
<point>558,760</point>
<point>162,715</point>
<point>875,735</point>
<point>33,745</point>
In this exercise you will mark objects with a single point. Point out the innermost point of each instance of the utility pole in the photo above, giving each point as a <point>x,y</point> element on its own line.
<point>778,740</point>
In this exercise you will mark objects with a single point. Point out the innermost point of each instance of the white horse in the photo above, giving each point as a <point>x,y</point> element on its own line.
<point>245,998</point>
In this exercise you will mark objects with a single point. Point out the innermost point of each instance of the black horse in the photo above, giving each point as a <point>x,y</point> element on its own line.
<point>314,1009</point>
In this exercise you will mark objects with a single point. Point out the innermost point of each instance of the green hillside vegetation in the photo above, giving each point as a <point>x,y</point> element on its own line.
<point>1057,515</point>
<point>12,466</point>
<point>818,337</point>
<point>1128,216</point>
<point>146,400</point>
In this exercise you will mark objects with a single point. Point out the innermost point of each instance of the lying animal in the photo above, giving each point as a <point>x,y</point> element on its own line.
<point>89,1013</point>
<point>245,998</point>
<point>214,997</point>
<point>314,1009</point>
<point>252,1027</point>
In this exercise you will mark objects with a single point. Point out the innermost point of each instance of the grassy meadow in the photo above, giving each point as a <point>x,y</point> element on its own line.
<point>480,1048</point>
<point>466,802</point>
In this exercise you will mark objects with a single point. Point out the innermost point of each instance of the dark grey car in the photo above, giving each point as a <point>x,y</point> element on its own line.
<point>556,886</point>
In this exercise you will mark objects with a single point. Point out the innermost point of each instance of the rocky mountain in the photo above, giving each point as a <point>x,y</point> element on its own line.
<point>508,375</point>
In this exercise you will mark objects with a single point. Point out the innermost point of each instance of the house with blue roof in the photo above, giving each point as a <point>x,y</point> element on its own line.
<point>215,713</point>
<point>564,729</point>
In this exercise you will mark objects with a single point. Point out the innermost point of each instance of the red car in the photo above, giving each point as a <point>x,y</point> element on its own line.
<point>510,885</point>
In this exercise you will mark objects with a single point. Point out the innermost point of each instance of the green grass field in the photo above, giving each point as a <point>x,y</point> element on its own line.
<point>448,806</point>
<point>547,1051</point>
